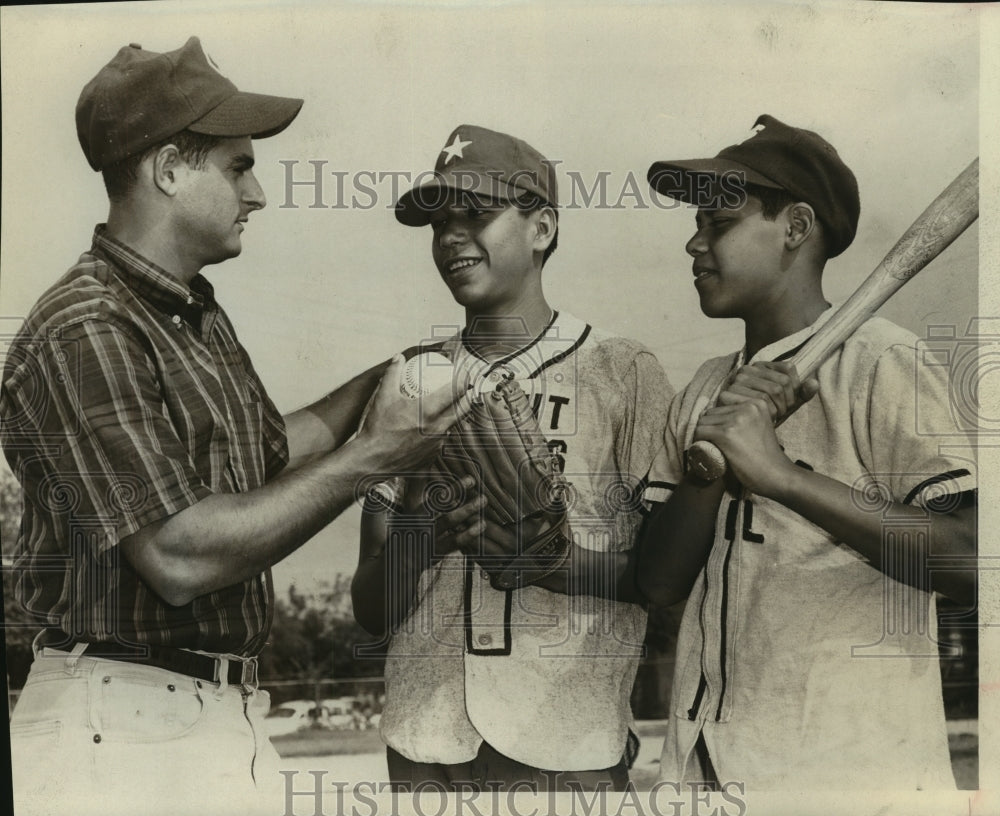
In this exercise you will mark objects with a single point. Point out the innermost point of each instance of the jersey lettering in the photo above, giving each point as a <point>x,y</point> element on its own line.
<point>748,533</point>
<point>536,404</point>
<point>557,403</point>
<point>558,448</point>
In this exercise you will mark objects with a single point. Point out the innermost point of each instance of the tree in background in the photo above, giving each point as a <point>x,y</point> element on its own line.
<point>17,629</point>
<point>313,638</point>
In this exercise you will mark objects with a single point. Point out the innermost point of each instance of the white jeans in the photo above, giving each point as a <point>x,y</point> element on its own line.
<point>91,735</point>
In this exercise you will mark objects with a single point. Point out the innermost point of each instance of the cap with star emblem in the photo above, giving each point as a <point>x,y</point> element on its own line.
<point>142,97</point>
<point>484,163</point>
<point>781,156</point>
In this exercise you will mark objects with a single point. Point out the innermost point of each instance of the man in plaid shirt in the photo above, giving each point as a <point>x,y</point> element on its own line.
<point>160,482</point>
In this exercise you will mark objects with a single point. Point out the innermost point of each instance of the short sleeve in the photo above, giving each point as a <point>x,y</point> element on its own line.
<point>649,392</point>
<point>667,466</point>
<point>907,435</point>
<point>99,445</point>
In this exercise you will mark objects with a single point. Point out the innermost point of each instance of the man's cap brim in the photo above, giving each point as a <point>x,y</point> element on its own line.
<point>695,181</point>
<point>248,114</point>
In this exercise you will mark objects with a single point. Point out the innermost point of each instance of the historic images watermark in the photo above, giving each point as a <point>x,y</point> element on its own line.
<point>313,184</point>
<point>310,793</point>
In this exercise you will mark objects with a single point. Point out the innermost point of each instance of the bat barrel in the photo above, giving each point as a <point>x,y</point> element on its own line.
<point>947,217</point>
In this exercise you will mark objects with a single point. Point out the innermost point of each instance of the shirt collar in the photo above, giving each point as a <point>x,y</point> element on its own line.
<point>562,336</point>
<point>788,345</point>
<point>154,284</point>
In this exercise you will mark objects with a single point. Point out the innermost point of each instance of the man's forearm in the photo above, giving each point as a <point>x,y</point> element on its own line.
<point>227,538</point>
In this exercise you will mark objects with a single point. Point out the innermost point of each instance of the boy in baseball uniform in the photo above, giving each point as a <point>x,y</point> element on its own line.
<point>794,668</point>
<point>524,688</point>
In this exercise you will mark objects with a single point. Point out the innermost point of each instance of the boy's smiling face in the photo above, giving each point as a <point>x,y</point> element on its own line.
<point>484,251</point>
<point>738,258</point>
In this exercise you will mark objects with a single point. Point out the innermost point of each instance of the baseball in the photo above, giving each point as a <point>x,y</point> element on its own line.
<point>424,373</point>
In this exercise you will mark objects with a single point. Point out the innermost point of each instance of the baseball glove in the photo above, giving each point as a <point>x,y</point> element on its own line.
<point>501,446</point>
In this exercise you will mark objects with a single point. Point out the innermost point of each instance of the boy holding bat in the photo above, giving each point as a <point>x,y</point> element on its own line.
<point>803,652</point>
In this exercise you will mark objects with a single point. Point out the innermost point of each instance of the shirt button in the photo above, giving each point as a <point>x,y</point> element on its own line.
<point>176,319</point>
<point>106,678</point>
<point>97,737</point>
<point>485,640</point>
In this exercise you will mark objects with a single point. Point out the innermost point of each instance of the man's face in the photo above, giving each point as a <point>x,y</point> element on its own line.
<point>737,260</point>
<point>484,252</point>
<point>215,200</point>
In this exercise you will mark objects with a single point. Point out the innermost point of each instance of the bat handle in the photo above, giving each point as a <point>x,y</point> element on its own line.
<point>706,461</point>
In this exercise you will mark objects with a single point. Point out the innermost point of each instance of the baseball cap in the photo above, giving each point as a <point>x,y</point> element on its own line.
<point>780,156</point>
<point>482,162</point>
<point>142,97</point>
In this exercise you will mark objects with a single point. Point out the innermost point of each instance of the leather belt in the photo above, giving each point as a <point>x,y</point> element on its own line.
<point>238,671</point>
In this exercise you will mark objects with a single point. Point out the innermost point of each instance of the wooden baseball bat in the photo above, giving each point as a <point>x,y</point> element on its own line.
<point>942,222</point>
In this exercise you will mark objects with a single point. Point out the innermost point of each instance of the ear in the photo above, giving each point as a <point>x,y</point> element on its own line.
<point>166,165</point>
<point>546,223</point>
<point>802,223</point>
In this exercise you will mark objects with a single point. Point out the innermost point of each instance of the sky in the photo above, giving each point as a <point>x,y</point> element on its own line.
<point>322,292</point>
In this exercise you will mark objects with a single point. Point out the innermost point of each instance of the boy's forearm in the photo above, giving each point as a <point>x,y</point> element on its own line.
<point>839,509</point>
<point>368,598</point>
<point>610,575</point>
<point>384,587</point>
<point>675,541</point>
<point>384,594</point>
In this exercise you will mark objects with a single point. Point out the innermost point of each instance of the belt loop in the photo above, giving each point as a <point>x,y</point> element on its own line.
<point>252,667</point>
<point>74,655</point>
<point>222,669</point>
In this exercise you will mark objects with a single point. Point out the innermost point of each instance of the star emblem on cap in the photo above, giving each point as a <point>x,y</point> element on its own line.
<point>455,148</point>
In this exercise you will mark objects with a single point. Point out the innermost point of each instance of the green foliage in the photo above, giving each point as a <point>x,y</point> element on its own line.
<point>10,511</point>
<point>314,636</point>
<point>17,635</point>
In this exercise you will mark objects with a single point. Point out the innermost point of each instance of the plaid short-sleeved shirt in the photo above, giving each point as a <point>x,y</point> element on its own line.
<point>127,398</point>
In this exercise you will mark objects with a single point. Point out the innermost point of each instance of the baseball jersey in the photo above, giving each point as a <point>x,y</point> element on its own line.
<point>543,677</point>
<point>802,664</point>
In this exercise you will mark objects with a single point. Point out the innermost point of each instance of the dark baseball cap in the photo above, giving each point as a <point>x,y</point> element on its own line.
<point>778,156</point>
<point>483,163</point>
<point>142,97</point>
